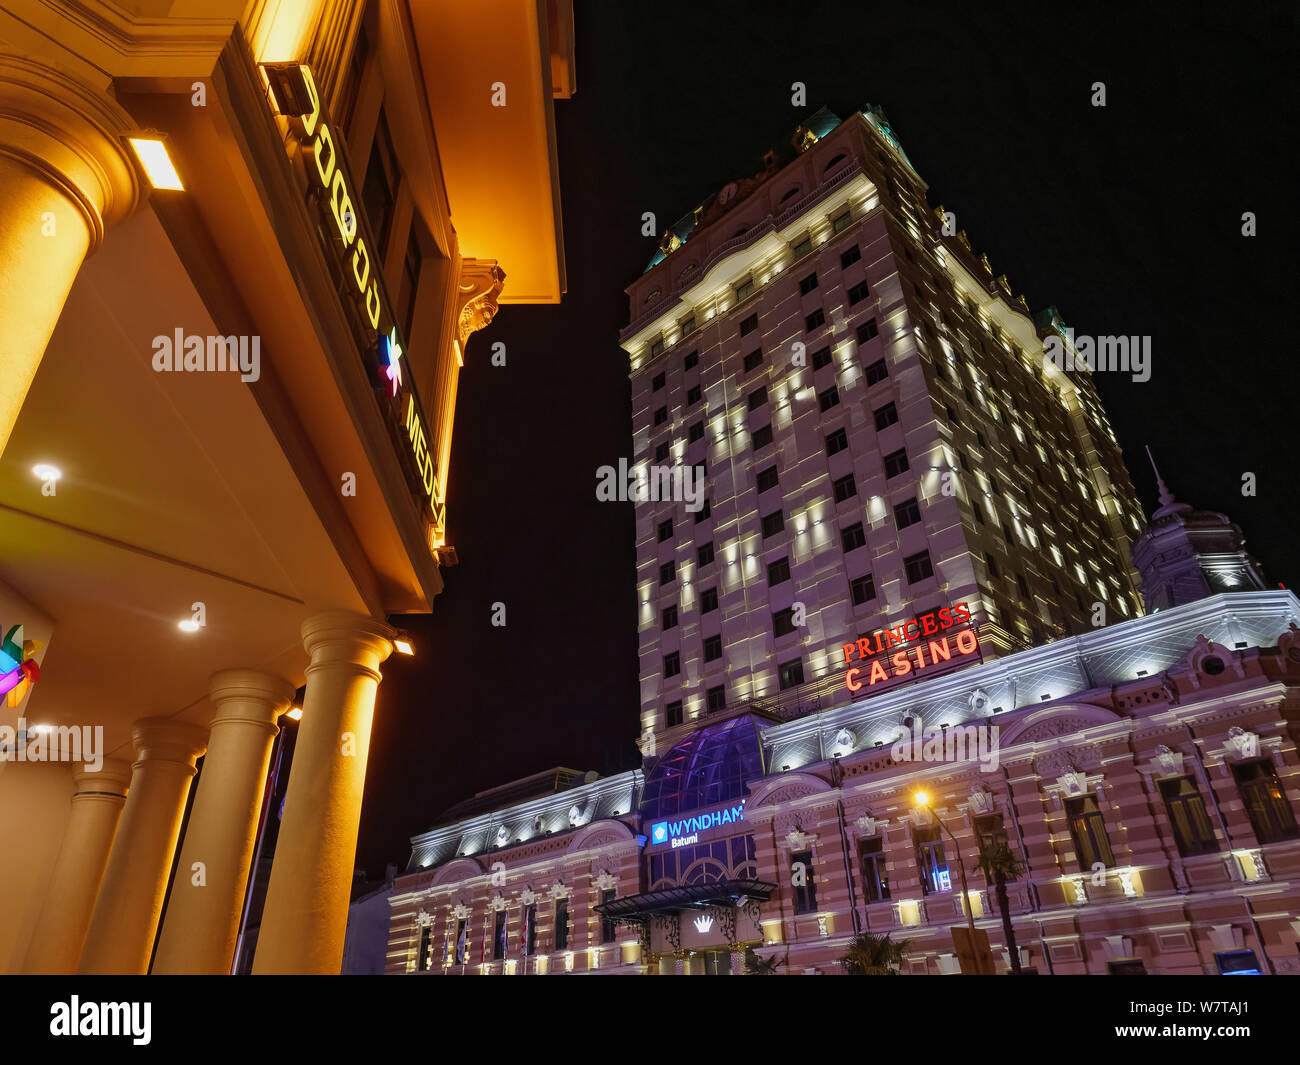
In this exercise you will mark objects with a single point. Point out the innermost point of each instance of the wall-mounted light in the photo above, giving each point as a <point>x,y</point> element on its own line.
<point>151,152</point>
<point>402,644</point>
<point>294,713</point>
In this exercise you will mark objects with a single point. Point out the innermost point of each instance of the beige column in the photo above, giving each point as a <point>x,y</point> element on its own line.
<point>64,177</point>
<point>122,929</point>
<point>306,911</point>
<point>207,897</point>
<point>60,931</point>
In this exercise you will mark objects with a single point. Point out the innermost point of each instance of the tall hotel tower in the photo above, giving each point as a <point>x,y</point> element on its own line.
<point>880,436</point>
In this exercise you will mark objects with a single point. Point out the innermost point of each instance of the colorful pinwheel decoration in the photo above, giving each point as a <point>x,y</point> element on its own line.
<point>18,668</point>
<point>390,351</point>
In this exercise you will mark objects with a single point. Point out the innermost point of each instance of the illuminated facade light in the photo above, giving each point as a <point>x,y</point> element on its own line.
<point>156,163</point>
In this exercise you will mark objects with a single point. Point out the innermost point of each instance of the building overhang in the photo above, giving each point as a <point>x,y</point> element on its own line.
<point>686,897</point>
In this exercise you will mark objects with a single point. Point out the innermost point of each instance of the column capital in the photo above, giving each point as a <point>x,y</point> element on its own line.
<point>340,636</point>
<point>249,695</point>
<point>164,739</point>
<point>112,778</point>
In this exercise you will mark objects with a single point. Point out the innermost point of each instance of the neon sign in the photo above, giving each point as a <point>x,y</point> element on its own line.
<point>686,831</point>
<point>922,654</point>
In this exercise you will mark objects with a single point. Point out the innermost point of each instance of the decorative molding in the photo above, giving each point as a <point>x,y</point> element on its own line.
<point>604,880</point>
<point>498,902</point>
<point>558,890</point>
<point>481,281</point>
<point>423,919</point>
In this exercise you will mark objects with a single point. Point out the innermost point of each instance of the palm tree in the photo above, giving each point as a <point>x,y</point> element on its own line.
<point>1000,865</point>
<point>872,955</point>
<point>755,965</point>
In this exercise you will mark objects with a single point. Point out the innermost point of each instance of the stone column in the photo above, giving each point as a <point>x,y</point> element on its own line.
<point>60,931</point>
<point>125,921</point>
<point>64,177</point>
<point>306,911</point>
<point>207,898</point>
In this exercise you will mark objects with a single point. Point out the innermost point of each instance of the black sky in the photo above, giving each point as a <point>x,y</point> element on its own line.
<point>1127,218</point>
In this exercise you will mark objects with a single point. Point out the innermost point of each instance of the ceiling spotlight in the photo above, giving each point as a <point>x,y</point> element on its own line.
<point>46,472</point>
<point>188,625</point>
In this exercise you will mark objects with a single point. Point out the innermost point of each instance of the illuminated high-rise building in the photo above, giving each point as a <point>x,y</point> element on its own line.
<point>880,438</point>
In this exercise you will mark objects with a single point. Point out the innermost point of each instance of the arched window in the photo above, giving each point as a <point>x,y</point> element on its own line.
<point>791,194</point>
<point>834,163</point>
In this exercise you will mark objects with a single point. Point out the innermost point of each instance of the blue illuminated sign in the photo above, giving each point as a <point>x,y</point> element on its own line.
<point>688,830</point>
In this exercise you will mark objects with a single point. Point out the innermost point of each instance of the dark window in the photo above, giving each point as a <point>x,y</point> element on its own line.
<point>896,463</point>
<point>814,321</point>
<point>773,523</point>
<point>462,940</point>
<point>693,395</point>
<point>853,537</point>
<point>661,451</point>
<point>821,357</point>
<point>561,924</point>
<point>661,416</point>
<point>757,398</point>
<point>667,572</point>
<point>863,589</point>
<point>530,931</point>
<point>762,437</point>
<point>841,221</point>
<point>867,330</point>
<point>688,327</point>
<point>426,943</point>
<point>849,257</point>
<point>802,248</point>
<point>877,372</point>
<point>607,924</point>
<point>749,325</point>
<point>658,382</point>
<point>858,293</point>
<point>745,289</point>
<point>830,398</point>
<point>352,79</point>
<point>783,622</point>
<point>717,697</point>
<point>665,530</point>
<point>670,617</point>
<point>875,874</point>
<point>844,488</point>
<point>989,832</point>
<point>767,479</point>
<point>1192,830</point>
<point>411,264</point>
<point>993,566</point>
<point>657,348</point>
<point>801,878</point>
<point>704,554</point>
<point>499,936</point>
<point>886,416</point>
<point>807,284</point>
<point>907,513</point>
<point>1266,803</point>
<point>379,191</point>
<point>712,648</point>
<point>790,673</point>
<point>672,664</point>
<point>703,513</point>
<point>695,432</point>
<point>961,457</point>
<point>673,713</point>
<point>778,572</point>
<point>837,442</point>
<point>708,600</point>
<point>1024,588</point>
<point>918,567</point>
<point>754,359</point>
<point>1088,830</point>
<point>931,860</point>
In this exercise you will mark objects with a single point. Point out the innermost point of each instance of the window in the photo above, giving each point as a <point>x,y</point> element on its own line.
<point>790,674</point>
<point>1024,588</point>
<point>695,432</point>
<point>412,262</point>
<point>667,572</point>
<point>672,664</point>
<point>844,488</point>
<point>801,877</point>
<point>814,321</point>
<point>692,395</point>
<point>749,325</point>
<point>712,648</point>
<point>1088,830</point>
<point>849,257</point>
<point>773,523</point>
<point>896,463</point>
<point>837,442</point>
<point>762,437</point>
<point>877,372</point>
<point>661,451</point>
<point>853,537</point>
<point>352,80</point>
<point>863,589</point>
<point>607,924</point>
<point>989,831</point>
<point>830,398</point>
<point>778,572</point>
<point>499,936</point>
<point>717,698</point>
<point>530,931</point>
<point>757,398</point>
<point>931,860</point>
<point>961,457</point>
<point>561,924</point>
<point>858,293</point>
<point>783,622</point>
<point>767,479</point>
<point>753,360</point>
<point>802,248</point>
<point>673,713</point>
<point>703,513</point>
<point>992,565</point>
<point>704,554</point>
<point>907,513</point>
<point>379,190</point>
<point>426,942</point>
<point>661,416</point>
<point>841,221</point>
<point>821,357</point>
<point>807,284</point>
<point>665,530</point>
<point>658,382</point>
<point>670,617</point>
<point>744,290</point>
<point>875,874</point>
<point>918,567</point>
<point>1270,814</point>
<point>688,327</point>
<point>708,600</point>
<point>867,330</point>
<point>886,416</point>
<point>1186,809</point>
<point>462,940</point>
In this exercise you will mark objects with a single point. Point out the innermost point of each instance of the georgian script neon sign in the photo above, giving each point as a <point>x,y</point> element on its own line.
<point>688,829</point>
<point>924,650</point>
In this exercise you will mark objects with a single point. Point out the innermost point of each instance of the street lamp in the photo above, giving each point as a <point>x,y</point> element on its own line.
<point>923,800</point>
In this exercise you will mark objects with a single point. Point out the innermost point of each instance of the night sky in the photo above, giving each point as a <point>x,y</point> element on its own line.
<point>1127,218</point>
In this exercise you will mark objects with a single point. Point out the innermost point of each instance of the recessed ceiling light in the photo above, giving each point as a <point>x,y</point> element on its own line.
<point>46,472</point>
<point>188,625</point>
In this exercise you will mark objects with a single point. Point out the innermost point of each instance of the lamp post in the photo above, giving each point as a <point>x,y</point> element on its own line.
<point>923,800</point>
